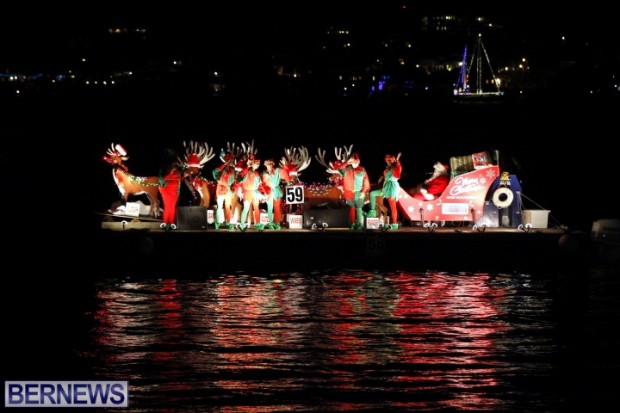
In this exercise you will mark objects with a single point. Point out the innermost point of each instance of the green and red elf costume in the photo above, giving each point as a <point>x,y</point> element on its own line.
<point>390,188</point>
<point>356,185</point>
<point>253,191</point>
<point>271,178</point>
<point>225,176</point>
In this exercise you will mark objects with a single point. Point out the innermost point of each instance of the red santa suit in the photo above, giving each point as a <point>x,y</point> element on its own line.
<point>434,186</point>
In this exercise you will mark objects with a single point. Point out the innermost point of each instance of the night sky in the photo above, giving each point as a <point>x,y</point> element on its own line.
<point>51,24</point>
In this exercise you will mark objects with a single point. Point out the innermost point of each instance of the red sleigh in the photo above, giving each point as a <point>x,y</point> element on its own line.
<point>464,198</point>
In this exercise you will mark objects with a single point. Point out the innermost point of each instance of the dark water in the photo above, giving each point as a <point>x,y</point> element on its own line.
<point>340,340</point>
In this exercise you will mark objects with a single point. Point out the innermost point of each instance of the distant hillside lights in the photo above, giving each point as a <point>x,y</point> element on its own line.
<point>14,82</point>
<point>341,62</point>
<point>125,30</point>
<point>13,77</point>
<point>102,83</point>
<point>111,80</point>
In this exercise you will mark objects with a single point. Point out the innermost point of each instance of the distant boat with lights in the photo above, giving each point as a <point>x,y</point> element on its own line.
<point>477,80</point>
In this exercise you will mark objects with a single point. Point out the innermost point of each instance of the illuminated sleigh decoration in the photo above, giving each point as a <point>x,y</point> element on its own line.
<point>464,198</point>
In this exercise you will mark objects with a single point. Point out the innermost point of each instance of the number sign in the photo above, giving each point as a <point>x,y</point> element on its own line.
<point>294,194</point>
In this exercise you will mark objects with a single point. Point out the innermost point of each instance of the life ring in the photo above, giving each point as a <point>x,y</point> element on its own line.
<point>503,201</point>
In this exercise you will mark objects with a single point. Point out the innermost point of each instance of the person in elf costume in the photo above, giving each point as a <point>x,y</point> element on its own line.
<point>355,185</point>
<point>271,178</point>
<point>390,188</point>
<point>225,176</point>
<point>253,192</point>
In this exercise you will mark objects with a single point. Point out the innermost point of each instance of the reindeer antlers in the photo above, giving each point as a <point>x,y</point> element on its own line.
<point>248,149</point>
<point>196,154</point>
<point>231,148</point>
<point>117,150</point>
<point>342,155</point>
<point>297,156</point>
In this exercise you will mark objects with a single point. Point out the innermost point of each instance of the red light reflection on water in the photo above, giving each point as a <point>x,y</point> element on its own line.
<point>135,318</point>
<point>451,323</point>
<point>414,331</point>
<point>431,320</point>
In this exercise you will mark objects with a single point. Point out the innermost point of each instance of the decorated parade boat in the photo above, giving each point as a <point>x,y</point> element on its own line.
<point>476,220</point>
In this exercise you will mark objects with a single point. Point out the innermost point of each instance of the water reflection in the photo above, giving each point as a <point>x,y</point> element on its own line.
<point>332,340</point>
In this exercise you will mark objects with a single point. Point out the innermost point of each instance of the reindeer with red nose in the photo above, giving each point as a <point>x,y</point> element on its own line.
<point>196,156</point>
<point>129,184</point>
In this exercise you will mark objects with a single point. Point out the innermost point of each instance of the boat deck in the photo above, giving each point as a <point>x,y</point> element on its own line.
<point>413,247</point>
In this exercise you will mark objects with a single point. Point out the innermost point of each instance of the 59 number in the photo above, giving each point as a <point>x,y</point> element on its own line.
<point>294,194</point>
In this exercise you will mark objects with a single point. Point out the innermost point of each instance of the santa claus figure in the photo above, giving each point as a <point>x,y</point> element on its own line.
<point>434,186</point>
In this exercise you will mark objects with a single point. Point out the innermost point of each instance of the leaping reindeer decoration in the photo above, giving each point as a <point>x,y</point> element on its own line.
<point>129,184</point>
<point>342,156</point>
<point>330,195</point>
<point>195,157</point>
<point>295,160</point>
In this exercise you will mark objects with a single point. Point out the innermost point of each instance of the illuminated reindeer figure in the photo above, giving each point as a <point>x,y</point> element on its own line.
<point>251,187</point>
<point>355,185</point>
<point>226,195</point>
<point>129,184</point>
<point>294,161</point>
<point>331,194</point>
<point>196,156</point>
